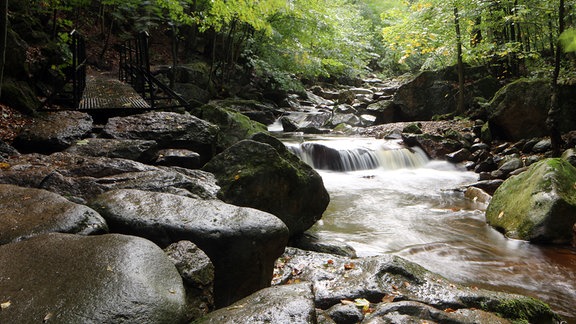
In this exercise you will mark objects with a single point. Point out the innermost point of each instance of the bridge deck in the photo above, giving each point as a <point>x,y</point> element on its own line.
<point>105,92</point>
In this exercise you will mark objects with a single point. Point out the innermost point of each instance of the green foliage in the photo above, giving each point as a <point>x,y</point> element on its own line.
<point>568,39</point>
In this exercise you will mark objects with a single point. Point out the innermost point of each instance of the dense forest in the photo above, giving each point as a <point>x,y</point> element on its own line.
<point>284,41</point>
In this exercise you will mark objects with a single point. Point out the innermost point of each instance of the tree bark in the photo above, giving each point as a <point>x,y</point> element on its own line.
<point>3,40</point>
<point>460,104</point>
<point>554,111</point>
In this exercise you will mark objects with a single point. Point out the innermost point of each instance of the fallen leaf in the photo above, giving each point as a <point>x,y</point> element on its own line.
<point>388,298</point>
<point>449,310</point>
<point>4,165</point>
<point>47,317</point>
<point>5,305</point>
<point>501,214</point>
<point>394,287</point>
<point>347,302</point>
<point>349,266</point>
<point>330,262</point>
<point>362,302</point>
<point>406,284</point>
<point>109,268</point>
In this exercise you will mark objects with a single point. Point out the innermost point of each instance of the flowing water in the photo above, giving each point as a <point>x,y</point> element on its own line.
<point>388,199</point>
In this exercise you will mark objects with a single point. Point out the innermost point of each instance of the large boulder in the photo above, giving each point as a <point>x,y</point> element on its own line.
<point>27,212</point>
<point>519,110</point>
<point>538,205</point>
<point>234,126</point>
<point>84,177</point>
<point>241,242</point>
<point>69,278</point>
<point>428,94</point>
<point>279,304</point>
<point>263,174</point>
<point>170,130</point>
<point>382,282</point>
<point>55,131</point>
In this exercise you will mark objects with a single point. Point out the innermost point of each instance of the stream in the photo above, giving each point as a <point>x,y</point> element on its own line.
<point>386,199</point>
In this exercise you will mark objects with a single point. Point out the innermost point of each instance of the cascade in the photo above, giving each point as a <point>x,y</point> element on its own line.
<point>355,155</point>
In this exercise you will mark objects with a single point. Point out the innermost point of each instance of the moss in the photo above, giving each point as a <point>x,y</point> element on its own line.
<point>524,310</point>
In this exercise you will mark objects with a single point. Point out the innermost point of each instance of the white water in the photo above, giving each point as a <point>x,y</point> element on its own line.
<point>412,211</point>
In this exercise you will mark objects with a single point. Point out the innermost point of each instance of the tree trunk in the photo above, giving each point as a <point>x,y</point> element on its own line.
<point>460,104</point>
<point>553,112</point>
<point>3,40</point>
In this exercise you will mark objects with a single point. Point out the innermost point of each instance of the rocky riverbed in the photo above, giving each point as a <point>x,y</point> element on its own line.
<point>169,217</point>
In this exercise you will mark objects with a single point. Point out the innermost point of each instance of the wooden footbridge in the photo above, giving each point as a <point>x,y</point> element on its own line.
<point>134,89</point>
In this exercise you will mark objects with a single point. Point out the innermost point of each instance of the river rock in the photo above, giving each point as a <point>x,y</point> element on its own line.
<point>280,304</point>
<point>312,242</point>
<point>197,271</point>
<point>538,205</point>
<point>428,94</point>
<point>263,174</point>
<point>519,110</point>
<point>85,177</point>
<point>384,281</point>
<point>435,146</point>
<point>168,129</point>
<point>233,125</point>
<point>178,157</point>
<point>137,150</point>
<point>54,131</point>
<point>570,156</point>
<point>27,212</point>
<point>264,113</point>
<point>69,278</point>
<point>241,242</point>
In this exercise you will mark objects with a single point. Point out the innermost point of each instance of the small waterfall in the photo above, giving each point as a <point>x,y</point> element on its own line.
<point>349,156</point>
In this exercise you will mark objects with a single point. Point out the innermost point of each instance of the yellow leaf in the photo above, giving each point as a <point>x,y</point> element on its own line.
<point>4,165</point>
<point>501,214</point>
<point>5,305</point>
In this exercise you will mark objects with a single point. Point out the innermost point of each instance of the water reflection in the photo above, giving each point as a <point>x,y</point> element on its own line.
<point>414,213</point>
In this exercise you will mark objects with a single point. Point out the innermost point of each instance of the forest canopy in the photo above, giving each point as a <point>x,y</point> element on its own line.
<point>287,40</point>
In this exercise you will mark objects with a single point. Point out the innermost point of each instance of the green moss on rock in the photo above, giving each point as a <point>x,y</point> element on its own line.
<point>538,205</point>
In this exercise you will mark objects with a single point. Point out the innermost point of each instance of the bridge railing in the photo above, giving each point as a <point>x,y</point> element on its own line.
<point>135,70</point>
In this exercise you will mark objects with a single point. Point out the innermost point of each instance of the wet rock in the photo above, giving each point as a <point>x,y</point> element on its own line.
<point>137,150</point>
<point>98,279</point>
<point>508,167</point>
<point>288,125</point>
<point>233,125</point>
<point>570,156</point>
<point>413,128</point>
<point>519,110</point>
<point>7,151</point>
<point>398,281</point>
<point>280,304</point>
<point>178,157</point>
<point>414,312</point>
<point>55,131</point>
<point>197,271</point>
<point>85,177</point>
<point>384,110</point>
<point>479,146</point>
<point>168,129</point>
<point>311,242</point>
<point>27,212</point>
<point>542,146</point>
<point>345,314</point>
<point>241,242</point>
<point>263,174</point>
<point>436,146</point>
<point>538,205</point>
<point>458,156</point>
<point>489,185</point>
<point>349,119</point>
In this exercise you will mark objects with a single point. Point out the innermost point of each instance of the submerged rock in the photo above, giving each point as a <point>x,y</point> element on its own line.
<point>242,243</point>
<point>26,212</point>
<point>538,205</point>
<point>69,278</point>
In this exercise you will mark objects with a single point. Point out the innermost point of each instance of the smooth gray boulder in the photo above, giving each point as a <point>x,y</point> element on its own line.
<point>27,212</point>
<point>280,304</point>
<point>66,278</point>
<point>54,131</point>
<point>242,243</point>
<point>262,174</point>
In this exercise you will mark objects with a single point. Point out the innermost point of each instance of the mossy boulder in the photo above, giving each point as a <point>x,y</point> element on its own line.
<point>538,205</point>
<point>234,126</point>
<point>262,174</point>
